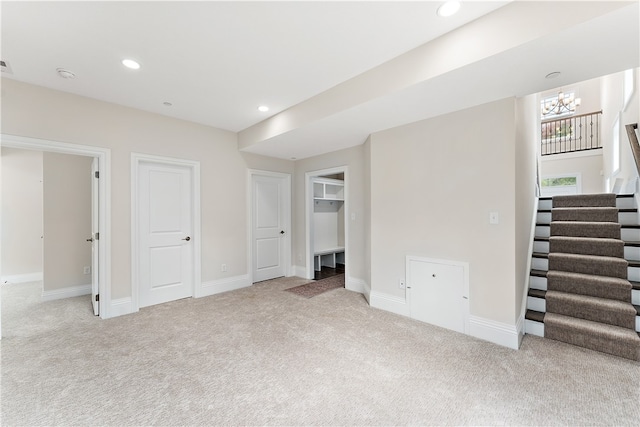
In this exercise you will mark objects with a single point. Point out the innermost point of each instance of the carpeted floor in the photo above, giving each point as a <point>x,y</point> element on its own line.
<point>260,356</point>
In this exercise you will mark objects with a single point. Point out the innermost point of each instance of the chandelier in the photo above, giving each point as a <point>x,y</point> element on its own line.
<point>560,105</point>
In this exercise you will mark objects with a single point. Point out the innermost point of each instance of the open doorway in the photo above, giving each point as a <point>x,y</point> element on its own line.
<point>327,205</point>
<point>89,250</point>
<point>47,231</point>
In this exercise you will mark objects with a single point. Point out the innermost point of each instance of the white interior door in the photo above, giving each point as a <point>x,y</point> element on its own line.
<point>269,226</point>
<point>166,255</point>
<point>95,284</point>
<point>437,294</point>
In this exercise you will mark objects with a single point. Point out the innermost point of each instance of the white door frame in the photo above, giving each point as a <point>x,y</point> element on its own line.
<point>287,218</point>
<point>104,200</point>
<point>309,176</point>
<point>194,165</point>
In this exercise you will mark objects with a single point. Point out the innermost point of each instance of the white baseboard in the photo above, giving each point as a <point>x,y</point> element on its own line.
<point>223,285</point>
<point>390,303</point>
<point>354,284</point>
<point>496,332</point>
<point>120,307</point>
<point>71,291</point>
<point>22,278</point>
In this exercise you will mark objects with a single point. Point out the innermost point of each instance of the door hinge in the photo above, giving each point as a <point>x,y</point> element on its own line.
<point>96,174</point>
<point>97,297</point>
<point>97,236</point>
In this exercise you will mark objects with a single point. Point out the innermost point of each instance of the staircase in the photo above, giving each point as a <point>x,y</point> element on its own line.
<point>584,287</point>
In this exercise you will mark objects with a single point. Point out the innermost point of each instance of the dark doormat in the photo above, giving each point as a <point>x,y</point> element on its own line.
<point>318,287</point>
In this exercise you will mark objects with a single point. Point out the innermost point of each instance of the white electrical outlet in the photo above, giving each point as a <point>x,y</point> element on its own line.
<point>87,269</point>
<point>494,218</point>
<point>223,267</point>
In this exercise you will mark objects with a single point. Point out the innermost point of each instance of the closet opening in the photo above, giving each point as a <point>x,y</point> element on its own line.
<point>326,231</point>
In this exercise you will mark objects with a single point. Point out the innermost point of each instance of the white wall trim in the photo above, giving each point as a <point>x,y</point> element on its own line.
<point>121,306</point>
<point>104,183</point>
<point>69,292</point>
<point>496,332</point>
<point>213,287</point>
<point>22,278</point>
<point>392,303</point>
<point>520,328</point>
<point>489,330</point>
<point>194,165</point>
<point>366,291</point>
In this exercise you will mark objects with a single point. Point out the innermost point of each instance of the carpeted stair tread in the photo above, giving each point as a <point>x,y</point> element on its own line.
<point>584,200</point>
<point>607,214</point>
<point>536,293</point>
<point>589,264</point>
<point>585,229</point>
<point>538,273</point>
<point>587,246</point>
<point>601,337</point>
<point>602,310</point>
<point>589,285</point>
<point>536,316</point>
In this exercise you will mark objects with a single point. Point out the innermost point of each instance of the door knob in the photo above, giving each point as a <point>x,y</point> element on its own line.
<point>90,239</point>
<point>282,232</point>
<point>187,238</point>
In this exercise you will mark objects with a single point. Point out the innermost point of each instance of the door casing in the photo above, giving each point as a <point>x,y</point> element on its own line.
<point>104,201</point>
<point>309,176</point>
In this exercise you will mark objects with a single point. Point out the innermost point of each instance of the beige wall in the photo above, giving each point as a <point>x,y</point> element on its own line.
<point>353,158</point>
<point>21,212</point>
<point>527,131</point>
<point>588,164</point>
<point>37,112</point>
<point>67,220</point>
<point>433,185</point>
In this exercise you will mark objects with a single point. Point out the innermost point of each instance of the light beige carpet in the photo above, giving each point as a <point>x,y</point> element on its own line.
<point>260,356</point>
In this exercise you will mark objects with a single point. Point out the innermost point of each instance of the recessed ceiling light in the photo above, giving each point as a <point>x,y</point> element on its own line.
<point>552,75</point>
<point>263,108</point>
<point>449,8</point>
<point>65,74</point>
<point>130,63</point>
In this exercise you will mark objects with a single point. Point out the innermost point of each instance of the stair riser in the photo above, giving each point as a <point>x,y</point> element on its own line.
<point>536,304</point>
<point>633,273</point>
<point>630,234</point>
<point>626,218</point>
<point>626,234</point>
<point>534,328</point>
<point>542,247</point>
<point>621,203</point>
<point>540,264</point>
<point>540,283</point>
<point>631,253</point>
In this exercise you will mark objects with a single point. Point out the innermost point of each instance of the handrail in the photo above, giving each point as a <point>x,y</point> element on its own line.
<point>570,133</point>
<point>576,116</point>
<point>635,145</point>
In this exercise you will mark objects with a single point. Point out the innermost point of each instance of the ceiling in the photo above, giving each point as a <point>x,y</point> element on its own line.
<point>216,62</point>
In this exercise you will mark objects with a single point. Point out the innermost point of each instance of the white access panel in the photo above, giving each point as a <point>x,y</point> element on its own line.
<point>438,292</point>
